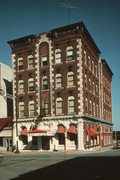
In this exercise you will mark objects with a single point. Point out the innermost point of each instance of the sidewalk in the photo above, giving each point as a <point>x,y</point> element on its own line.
<point>35,152</point>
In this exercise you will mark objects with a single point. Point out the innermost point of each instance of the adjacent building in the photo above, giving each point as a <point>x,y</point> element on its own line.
<point>62,91</point>
<point>6,109</point>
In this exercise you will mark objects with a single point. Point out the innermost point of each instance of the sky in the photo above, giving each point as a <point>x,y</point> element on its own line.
<point>19,18</point>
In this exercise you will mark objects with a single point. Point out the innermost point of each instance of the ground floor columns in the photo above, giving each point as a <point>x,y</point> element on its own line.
<point>80,134</point>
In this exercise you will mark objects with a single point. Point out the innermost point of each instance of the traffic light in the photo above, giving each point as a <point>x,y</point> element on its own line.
<point>99,128</point>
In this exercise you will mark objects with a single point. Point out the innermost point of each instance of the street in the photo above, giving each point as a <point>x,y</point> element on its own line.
<point>61,165</point>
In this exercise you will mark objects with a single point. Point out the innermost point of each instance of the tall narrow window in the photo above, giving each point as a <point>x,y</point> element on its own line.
<point>45,83</point>
<point>70,55</point>
<point>71,104</point>
<point>90,107</point>
<point>21,109</point>
<point>93,108</point>
<point>31,84</point>
<point>58,80</point>
<point>58,56</point>
<point>20,86</point>
<point>70,79</point>
<point>86,105</point>
<point>44,60</point>
<point>31,109</point>
<point>93,69</point>
<point>85,57</point>
<point>20,63</point>
<point>30,62</point>
<point>45,108</point>
<point>85,80</point>
<point>93,87</point>
<point>59,106</point>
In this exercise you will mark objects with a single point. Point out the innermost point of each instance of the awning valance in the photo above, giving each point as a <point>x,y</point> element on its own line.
<point>61,130</point>
<point>72,129</point>
<point>24,132</point>
<point>37,130</point>
<point>92,132</point>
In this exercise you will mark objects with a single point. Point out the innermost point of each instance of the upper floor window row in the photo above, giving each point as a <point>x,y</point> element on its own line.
<point>21,85</point>
<point>69,55</point>
<point>30,62</point>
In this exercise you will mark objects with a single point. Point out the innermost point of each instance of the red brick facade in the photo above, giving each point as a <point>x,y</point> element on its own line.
<point>80,61</point>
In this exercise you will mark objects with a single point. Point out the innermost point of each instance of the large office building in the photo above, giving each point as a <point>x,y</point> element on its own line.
<point>62,91</point>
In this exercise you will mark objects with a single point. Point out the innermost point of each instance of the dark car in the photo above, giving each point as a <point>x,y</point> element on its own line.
<point>116,144</point>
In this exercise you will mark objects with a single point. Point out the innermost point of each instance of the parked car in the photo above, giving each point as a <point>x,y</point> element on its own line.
<point>116,144</point>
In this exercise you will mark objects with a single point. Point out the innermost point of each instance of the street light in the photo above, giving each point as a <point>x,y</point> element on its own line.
<point>17,148</point>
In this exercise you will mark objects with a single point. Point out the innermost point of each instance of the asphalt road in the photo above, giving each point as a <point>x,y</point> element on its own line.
<point>61,166</point>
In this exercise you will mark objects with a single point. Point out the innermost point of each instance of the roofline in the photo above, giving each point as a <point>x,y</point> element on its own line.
<point>20,39</point>
<point>79,24</point>
<point>105,62</point>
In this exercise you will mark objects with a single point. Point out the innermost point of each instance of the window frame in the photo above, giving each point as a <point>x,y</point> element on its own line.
<point>31,87</point>
<point>21,112</point>
<point>31,112</point>
<point>70,53</point>
<point>20,64</point>
<point>45,86</point>
<point>71,108</point>
<point>58,80</point>
<point>70,83</point>
<point>44,62</point>
<point>58,53</point>
<point>21,90</point>
<point>30,57</point>
<point>59,107</point>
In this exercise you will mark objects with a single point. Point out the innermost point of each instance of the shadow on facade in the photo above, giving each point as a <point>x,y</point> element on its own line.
<point>85,168</point>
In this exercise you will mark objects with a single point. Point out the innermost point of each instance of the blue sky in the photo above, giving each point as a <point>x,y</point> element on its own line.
<point>19,18</point>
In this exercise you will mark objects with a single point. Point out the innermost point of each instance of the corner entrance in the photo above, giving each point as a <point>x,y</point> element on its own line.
<point>45,143</point>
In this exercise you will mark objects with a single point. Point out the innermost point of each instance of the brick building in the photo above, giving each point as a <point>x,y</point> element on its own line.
<point>62,91</point>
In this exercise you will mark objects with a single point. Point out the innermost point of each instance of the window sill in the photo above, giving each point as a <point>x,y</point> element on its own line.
<point>70,86</point>
<point>45,90</point>
<point>31,92</point>
<point>70,61</point>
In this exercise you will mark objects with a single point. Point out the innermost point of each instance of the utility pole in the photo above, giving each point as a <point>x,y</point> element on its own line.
<point>68,6</point>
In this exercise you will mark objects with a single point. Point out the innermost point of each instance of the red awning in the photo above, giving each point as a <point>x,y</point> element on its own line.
<point>72,129</point>
<point>61,130</point>
<point>37,130</point>
<point>6,122</point>
<point>92,132</point>
<point>24,132</point>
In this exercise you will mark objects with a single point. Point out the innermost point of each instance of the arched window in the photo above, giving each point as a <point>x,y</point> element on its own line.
<point>58,56</point>
<point>85,80</point>
<point>70,55</point>
<point>90,107</point>
<point>20,86</point>
<point>21,109</point>
<point>71,104</point>
<point>31,84</point>
<point>58,80</point>
<point>44,83</point>
<point>31,109</point>
<point>86,105</point>
<point>59,106</point>
<point>30,62</point>
<point>20,63</point>
<point>85,57</point>
<point>70,79</point>
<point>44,60</point>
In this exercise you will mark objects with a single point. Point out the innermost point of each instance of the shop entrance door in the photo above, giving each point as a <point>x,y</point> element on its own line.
<point>45,143</point>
